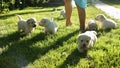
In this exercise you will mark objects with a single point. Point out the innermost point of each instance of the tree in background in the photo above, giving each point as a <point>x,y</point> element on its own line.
<point>6,5</point>
<point>0,5</point>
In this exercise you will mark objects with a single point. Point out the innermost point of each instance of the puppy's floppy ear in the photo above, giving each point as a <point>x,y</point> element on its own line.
<point>44,20</point>
<point>28,21</point>
<point>79,37</point>
<point>102,16</point>
<point>31,20</point>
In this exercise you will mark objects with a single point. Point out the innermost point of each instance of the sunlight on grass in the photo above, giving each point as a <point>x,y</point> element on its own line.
<point>55,51</point>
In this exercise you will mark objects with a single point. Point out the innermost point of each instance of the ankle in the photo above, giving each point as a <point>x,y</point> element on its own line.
<point>68,23</point>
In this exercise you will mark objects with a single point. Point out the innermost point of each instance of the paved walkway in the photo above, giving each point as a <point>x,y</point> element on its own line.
<point>110,10</point>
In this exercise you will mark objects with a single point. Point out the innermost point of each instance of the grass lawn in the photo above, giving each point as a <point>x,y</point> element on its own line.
<point>115,3</point>
<point>55,51</point>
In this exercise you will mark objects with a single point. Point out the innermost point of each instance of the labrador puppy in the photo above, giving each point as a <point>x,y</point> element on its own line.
<point>26,26</point>
<point>63,13</point>
<point>50,26</point>
<point>86,40</point>
<point>105,22</point>
<point>92,25</point>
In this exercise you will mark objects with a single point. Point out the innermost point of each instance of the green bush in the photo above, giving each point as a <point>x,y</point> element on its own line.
<point>7,5</point>
<point>4,7</point>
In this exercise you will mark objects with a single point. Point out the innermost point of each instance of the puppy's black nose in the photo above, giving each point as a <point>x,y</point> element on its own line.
<point>84,45</point>
<point>34,25</point>
<point>93,29</point>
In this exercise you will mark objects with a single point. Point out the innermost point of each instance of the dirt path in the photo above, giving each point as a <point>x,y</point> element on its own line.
<point>109,10</point>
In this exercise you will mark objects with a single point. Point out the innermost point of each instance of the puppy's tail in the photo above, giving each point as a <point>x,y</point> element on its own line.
<point>20,18</point>
<point>52,16</point>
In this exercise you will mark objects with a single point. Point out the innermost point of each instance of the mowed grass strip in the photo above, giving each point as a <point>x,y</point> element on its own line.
<point>55,51</point>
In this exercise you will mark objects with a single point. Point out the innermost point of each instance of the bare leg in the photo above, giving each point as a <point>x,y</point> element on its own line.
<point>82,17</point>
<point>68,10</point>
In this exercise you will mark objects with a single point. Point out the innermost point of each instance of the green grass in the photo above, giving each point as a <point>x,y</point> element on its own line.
<point>115,3</point>
<point>55,51</point>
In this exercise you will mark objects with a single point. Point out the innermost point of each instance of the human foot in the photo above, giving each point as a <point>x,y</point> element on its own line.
<point>69,24</point>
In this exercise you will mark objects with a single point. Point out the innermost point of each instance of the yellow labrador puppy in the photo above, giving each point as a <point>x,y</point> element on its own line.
<point>86,40</point>
<point>63,13</point>
<point>50,26</point>
<point>92,25</point>
<point>106,23</point>
<point>26,25</point>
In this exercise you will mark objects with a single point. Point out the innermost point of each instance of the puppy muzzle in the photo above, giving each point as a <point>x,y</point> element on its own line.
<point>94,29</point>
<point>84,45</point>
<point>34,25</point>
<point>96,19</point>
<point>40,24</point>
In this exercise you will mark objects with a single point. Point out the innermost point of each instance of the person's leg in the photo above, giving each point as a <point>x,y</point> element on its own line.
<point>68,10</point>
<point>82,17</point>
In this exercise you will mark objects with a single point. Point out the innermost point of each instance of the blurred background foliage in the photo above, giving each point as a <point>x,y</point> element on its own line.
<point>7,5</point>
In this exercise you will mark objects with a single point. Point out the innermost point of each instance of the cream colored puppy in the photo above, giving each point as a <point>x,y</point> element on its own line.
<point>63,13</point>
<point>26,25</point>
<point>86,40</point>
<point>50,26</point>
<point>92,25</point>
<point>106,23</point>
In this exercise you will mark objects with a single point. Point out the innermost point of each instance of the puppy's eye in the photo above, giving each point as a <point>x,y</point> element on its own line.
<point>81,40</point>
<point>87,41</point>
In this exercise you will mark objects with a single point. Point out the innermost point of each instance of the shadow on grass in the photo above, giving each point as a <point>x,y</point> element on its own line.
<point>19,52</point>
<point>102,31</point>
<point>23,13</point>
<point>23,52</point>
<point>73,59</point>
<point>8,39</point>
<point>59,18</point>
<point>58,42</point>
<point>53,46</point>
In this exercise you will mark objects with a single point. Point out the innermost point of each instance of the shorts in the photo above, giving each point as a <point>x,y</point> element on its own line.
<point>81,3</point>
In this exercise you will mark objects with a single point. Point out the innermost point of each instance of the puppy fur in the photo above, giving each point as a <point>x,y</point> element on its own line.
<point>106,23</point>
<point>92,25</point>
<point>63,13</point>
<point>50,26</point>
<point>86,40</point>
<point>26,25</point>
